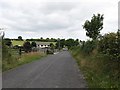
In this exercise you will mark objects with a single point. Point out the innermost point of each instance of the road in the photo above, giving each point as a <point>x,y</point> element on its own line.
<point>54,71</point>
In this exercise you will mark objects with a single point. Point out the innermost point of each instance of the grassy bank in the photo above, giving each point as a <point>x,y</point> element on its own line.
<point>98,70</point>
<point>15,61</point>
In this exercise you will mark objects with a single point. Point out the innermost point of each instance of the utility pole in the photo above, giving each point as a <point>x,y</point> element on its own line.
<point>59,43</point>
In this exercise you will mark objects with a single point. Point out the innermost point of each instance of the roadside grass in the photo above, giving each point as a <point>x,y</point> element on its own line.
<point>16,60</point>
<point>98,70</point>
<point>29,57</point>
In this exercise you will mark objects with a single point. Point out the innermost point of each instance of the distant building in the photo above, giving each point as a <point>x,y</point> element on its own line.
<point>43,44</point>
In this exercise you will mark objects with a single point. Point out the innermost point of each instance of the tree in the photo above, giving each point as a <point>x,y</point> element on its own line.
<point>69,43</point>
<point>62,43</point>
<point>94,26</point>
<point>27,46</point>
<point>20,38</point>
<point>7,42</point>
<point>33,44</point>
<point>52,46</point>
<point>76,42</point>
<point>47,39</point>
<point>110,45</point>
<point>88,46</point>
<point>41,38</point>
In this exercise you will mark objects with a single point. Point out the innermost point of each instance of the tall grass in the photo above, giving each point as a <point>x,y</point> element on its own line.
<point>29,57</point>
<point>12,59</point>
<point>99,71</point>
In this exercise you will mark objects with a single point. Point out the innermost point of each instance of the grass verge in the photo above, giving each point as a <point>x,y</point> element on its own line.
<point>15,61</point>
<point>98,70</point>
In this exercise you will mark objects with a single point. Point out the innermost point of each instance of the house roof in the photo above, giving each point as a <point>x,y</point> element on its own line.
<point>43,43</point>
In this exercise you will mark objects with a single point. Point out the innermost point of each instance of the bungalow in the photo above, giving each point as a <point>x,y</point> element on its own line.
<point>43,44</point>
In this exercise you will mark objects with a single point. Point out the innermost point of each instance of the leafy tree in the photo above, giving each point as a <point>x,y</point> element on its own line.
<point>41,38</point>
<point>62,43</point>
<point>88,46</point>
<point>20,38</point>
<point>52,46</point>
<point>110,45</point>
<point>69,43</point>
<point>76,42</point>
<point>7,42</point>
<point>33,44</point>
<point>94,26</point>
<point>47,39</point>
<point>27,46</point>
<point>58,43</point>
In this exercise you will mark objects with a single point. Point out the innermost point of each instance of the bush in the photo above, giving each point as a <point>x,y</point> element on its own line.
<point>27,47</point>
<point>8,57</point>
<point>88,46</point>
<point>50,52</point>
<point>98,70</point>
<point>110,45</point>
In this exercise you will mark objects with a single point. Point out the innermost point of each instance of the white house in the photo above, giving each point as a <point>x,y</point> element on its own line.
<point>43,44</point>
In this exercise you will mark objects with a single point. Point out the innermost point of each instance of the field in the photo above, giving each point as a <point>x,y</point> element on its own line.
<point>17,43</point>
<point>22,42</point>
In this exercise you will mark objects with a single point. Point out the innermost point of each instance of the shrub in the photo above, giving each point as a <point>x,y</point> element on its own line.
<point>88,46</point>
<point>8,57</point>
<point>110,45</point>
<point>27,46</point>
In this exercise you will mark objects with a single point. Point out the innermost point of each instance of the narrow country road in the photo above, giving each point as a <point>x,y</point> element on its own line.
<point>54,71</point>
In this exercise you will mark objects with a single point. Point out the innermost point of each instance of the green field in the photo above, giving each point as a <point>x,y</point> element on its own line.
<point>18,43</point>
<point>22,42</point>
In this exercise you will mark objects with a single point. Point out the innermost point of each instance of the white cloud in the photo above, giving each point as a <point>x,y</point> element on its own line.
<point>54,18</point>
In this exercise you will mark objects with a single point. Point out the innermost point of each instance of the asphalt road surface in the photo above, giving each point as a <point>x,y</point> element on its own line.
<point>54,71</point>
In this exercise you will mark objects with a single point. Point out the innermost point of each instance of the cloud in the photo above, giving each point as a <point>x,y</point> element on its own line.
<point>55,18</point>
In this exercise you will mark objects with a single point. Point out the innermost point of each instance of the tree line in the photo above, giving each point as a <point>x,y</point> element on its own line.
<point>39,39</point>
<point>30,44</point>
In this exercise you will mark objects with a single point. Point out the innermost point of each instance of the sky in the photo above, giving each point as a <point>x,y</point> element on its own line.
<point>55,18</point>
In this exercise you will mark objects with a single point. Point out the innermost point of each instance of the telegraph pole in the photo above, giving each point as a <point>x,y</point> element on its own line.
<point>59,43</point>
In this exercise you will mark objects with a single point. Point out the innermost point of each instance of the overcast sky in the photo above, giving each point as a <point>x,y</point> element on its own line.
<point>55,18</point>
